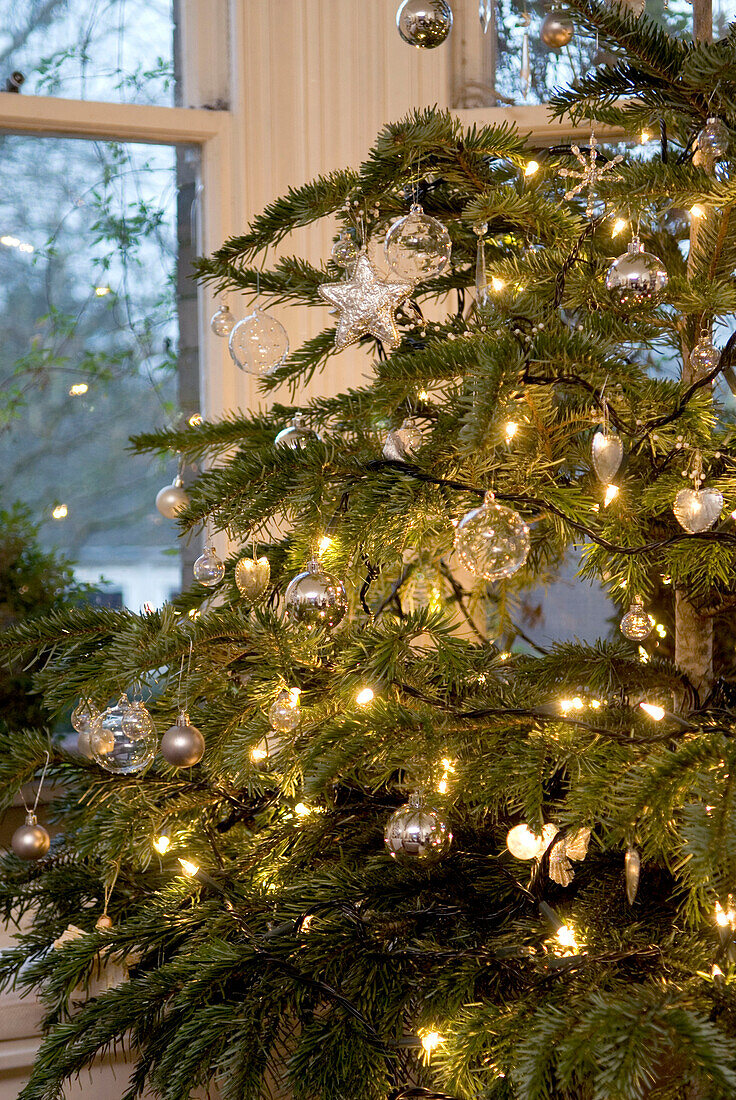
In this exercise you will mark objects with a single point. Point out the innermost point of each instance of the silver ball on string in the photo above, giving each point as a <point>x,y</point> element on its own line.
<point>557,29</point>
<point>172,499</point>
<point>183,744</point>
<point>208,569</point>
<point>636,278</point>
<point>417,831</point>
<point>316,598</point>
<point>30,841</point>
<point>492,541</point>
<point>637,624</point>
<point>424,23</point>
<point>222,321</point>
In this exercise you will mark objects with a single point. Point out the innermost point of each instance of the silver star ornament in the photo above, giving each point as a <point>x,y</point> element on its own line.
<point>366,305</point>
<point>591,173</point>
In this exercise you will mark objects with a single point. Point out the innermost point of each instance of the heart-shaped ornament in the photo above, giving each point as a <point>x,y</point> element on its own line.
<point>608,451</point>
<point>697,509</point>
<point>252,576</point>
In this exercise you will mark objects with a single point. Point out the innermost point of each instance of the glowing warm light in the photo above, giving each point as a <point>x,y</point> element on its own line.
<point>324,543</point>
<point>78,389</point>
<point>716,971</point>
<point>364,697</point>
<point>661,630</point>
<point>423,395</point>
<point>306,923</point>
<point>442,786</point>
<point>655,712</point>
<point>618,226</point>
<point>294,694</point>
<point>645,137</point>
<point>101,291</point>
<point>532,168</point>
<point>724,917</point>
<point>565,704</point>
<point>302,810</point>
<point>697,211</point>
<point>162,843</point>
<point>504,656</point>
<point>611,494</point>
<point>188,867</point>
<point>497,284</point>
<point>643,655</point>
<point>668,580</point>
<point>9,242</point>
<point>23,247</point>
<point>430,1040</point>
<point>195,420</point>
<point>511,429</point>
<point>257,754</point>
<point>577,703</point>
<point>566,937</point>
<point>193,613</point>
<point>60,511</point>
<point>595,704</point>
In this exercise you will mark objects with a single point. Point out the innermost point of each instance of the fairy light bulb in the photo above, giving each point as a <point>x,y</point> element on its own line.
<point>611,494</point>
<point>511,429</point>
<point>566,937</point>
<point>258,754</point>
<point>532,167</point>
<point>696,210</point>
<point>324,543</point>
<point>188,867</point>
<point>162,843</point>
<point>618,226</point>
<point>302,810</point>
<point>429,1039</point>
<point>364,697</point>
<point>654,712</point>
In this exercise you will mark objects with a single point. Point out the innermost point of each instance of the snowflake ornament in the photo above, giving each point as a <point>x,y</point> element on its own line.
<point>591,173</point>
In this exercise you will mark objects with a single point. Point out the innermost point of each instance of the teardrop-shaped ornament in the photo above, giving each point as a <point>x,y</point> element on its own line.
<point>252,576</point>
<point>632,870</point>
<point>608,453</point>
<point>481,277</point>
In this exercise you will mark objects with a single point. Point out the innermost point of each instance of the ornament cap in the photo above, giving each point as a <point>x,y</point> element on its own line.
<point>416,800</point>
<point>416,208</point>
<point>313,566</point>
<point>635,246</point>
<point>183,719</point>
<point>31,818</point>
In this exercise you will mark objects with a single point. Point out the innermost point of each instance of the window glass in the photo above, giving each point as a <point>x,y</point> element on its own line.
<point>90,263</point>
<point>119,50</point>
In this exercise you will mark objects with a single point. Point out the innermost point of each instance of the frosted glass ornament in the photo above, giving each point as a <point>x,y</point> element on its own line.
<point>113,749</point>
<point>417,246</point>
<point>417,831</point>
<point>424,24</point>
<point>316,598</point>
<point>637,624</point>
<point>492,541</point>
<point>208,569</point>
<point>259,343</point>
<point>697,509</point>
<point>636,278</point>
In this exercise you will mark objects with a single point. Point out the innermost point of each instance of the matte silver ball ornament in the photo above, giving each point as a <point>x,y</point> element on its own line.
<point>316,598</point>
<point>492,541</point>
<point>557,29</point>
<point>172,499</point>
<point>636,278</point>
<point>424,23</point>
<point>30,841</point>
<point>417,831</point>
<point>182,745</point>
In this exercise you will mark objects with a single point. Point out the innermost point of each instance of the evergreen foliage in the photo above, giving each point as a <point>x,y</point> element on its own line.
<point>301,957</point>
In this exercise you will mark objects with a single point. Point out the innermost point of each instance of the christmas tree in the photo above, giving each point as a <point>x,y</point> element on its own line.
<point>413,857</point>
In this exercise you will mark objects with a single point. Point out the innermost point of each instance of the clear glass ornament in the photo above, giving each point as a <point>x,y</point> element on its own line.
<point>417,831</point>
<point>345,250</point>
<point>316,598</point>
<point>295,436</point>
<point>258,344</point>
<point>402,443</point>
<point>637,624</point>
<point>424,23</point>
<point>608,452</point>
<point>285,713</point>
<point>557,29</point>
<point>524,844</point>
<point>418,247</point>
<point>252,576</point>
<point>714,139</point>
<point>172,499</point>
<point>481,275</point>
<point>83,715</point>
<point>697,509</point>
<point>137,722</point>
<point>704,357</point>
<point>222,321</point>
<point>636,278</point>
<point>208,568</point>
<point>113,748</point>
<point>492,541</point>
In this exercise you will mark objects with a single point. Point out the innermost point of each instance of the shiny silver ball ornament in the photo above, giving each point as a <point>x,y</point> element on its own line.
<point>636,278</point>
<point>714,139</point>
<point>704,357</point>
<point>222,322</point>
<point>285,713</point>
<point>172,499</point>
<point>424,23</point>
<point>492,541</point>
<point>252,576</point>
<point>608,452</point>
<point>417,831</point>
<point>208,569</point>
<point>112,748</point>
<point>345,251</point>
<point>402,443</point>
<point>637,624</point>
<point>258,344</point>
<point>316,598</point>
<point>697,509</point>
<point>295,436</point>
<point>417,246</point>
<point>30,841</point>
<point>557,29</point>
<point>182,745</point>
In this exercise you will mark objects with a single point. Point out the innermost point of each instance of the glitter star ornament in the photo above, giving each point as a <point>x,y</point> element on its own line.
<point>591,173</point>
<point>366,305</point>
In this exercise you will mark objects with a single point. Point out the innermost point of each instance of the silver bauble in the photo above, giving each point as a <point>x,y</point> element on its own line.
<point>182,745</point>
<point>714,139</point>
<point>697,509</point>
<point>557,29</point>
<point>111,746</point>
<point>704,357</point>
<point>208,569</point>
<point>172,499</point>
<point>608,452</point>
<point>316,598</point>
<point>636,278</point>
<point>424,23</point>
<point>492,541</point>
<point>295,436</point>
<point>222,322</point>
<point>417,831</point>
<point>402,443</point>
<point>30,841</point>
<point>258,344</point>
<point>637,624</point>
<point>252,576</point>
<point>417,246</point>
<point>285,713</point>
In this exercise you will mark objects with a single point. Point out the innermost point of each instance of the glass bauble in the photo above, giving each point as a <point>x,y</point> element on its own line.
<point>252,576</point>
<point>83,714</point>
<point>172,499</point>
<point>345,251</point>
<point>608,452</point>
<point>714,138</point>
<point>285,713</point>
<point>492,541</point>
<point>111,746</point>
<point>636,278</point>
<point>316,598</point>
<point>418,247</point>
<point>208,569</point>
<point>697,509</point>
<point>524,844</point>
<point>182,745</point>
<point>424,23</point>
<point>402,443</point>
<point>295,436</point>
<point>222,322</point>
<point>557,29</point>
<point>137,722</point>
<point>30,841</point>
<point>417,831</point>
<point>704,357</point>
<point>258,344</point>
<point>637,624</point>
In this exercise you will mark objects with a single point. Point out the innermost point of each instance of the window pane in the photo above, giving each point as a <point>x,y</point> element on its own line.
<point>89,269</point>
<point>119,50</point>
